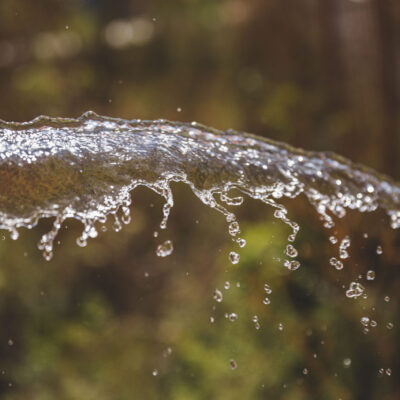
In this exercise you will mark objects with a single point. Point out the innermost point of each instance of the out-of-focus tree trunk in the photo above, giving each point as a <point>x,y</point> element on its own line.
<point>388,20</point>
<point>367,40</point>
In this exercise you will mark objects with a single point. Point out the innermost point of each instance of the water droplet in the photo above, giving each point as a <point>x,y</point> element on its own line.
<point>212,320</point>
<point>126,217</point>
<point>267,289</point>
<point>292,265</point>
<point>291,251</point>
<point>227,285</point>
<point>234,257</point>
<point>155,372</point>
<point>167,352</point>
<point>155,234</point>
<point>388,371</point>
<point>336,263</point>
<point>10,342</point>
<point>234,228</point>
<point>344,244</point>
<point>347,362</point>
<point>14,234</point>
<point>370,275</point>
<point>116,224</point>
<point>233,364</point>
<point>387,299</point>
<point>267,301</point>
<point>256,322</point>
<point>241,242</point>
<point>389,325</point>
<point>280,326</point>
<point>179,109</point>
<point>365,321</point>
<point>165,249</point>
<point>233,317</point>
<point>379,250</point>
<point>333,239</point>
<point>218,296</point>
<point>305,371</point>
<point>355,290</point>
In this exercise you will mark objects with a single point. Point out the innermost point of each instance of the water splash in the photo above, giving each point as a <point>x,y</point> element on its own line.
<point>85,168</point>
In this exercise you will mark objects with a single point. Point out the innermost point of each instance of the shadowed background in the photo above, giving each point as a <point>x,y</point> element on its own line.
<point>112,320</point>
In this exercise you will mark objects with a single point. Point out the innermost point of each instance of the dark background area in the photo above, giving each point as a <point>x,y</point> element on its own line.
<point>112,320</point>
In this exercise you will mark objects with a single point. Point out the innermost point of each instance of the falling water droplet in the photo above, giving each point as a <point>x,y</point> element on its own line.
<point>117,224</point>
<point>267,289</point>
<point>344,244</point>
<point>155,372</point>
<point>256,322</point>
<point>81,241</point>
<point>167,352</point>
<point>233,364</point>
<point>227,285</point>
<point>333,239</point>
<point>14,234</point>
<point>336,263</point>
<point>291,251</point>
<point>355,290</point>
<point>390,325</point>
<point>370,275</point>
<point>233,317</point>
<point>280,326</point>
<point>165,249</point>
<point>218,296</point>
<point>234,228</point>
<point>347,362</point>
<point>379,250</point>
<point>234,257</point>
<point>365,321</point>
<point>292,265</point>
<point>241,242</point>
<point>267,301</point>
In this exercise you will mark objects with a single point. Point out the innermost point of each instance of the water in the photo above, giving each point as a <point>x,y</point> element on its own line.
<point>86,168</point>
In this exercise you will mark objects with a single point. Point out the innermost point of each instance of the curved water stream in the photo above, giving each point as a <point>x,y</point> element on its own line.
<point>85,168</point>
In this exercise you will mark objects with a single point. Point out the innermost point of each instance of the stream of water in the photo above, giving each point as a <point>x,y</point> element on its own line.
<point>85,168</point>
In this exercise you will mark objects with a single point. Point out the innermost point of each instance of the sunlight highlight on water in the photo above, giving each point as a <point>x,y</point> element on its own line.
<point>86,168</point>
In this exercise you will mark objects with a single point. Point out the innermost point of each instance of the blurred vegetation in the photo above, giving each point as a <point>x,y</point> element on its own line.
<point>112,320</point>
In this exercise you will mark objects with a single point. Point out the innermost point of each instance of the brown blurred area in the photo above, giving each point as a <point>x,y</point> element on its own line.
<point>112,320</point>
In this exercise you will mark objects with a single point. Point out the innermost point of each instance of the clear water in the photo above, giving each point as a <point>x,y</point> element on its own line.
<point>86,168</point>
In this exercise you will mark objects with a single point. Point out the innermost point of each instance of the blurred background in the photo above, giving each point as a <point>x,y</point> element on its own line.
<point>113,320</point>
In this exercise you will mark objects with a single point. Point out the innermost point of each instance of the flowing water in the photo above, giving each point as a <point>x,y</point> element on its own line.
<point>85,168</point>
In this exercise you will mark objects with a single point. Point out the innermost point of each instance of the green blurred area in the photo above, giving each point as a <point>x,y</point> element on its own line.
<point>114,321</point>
